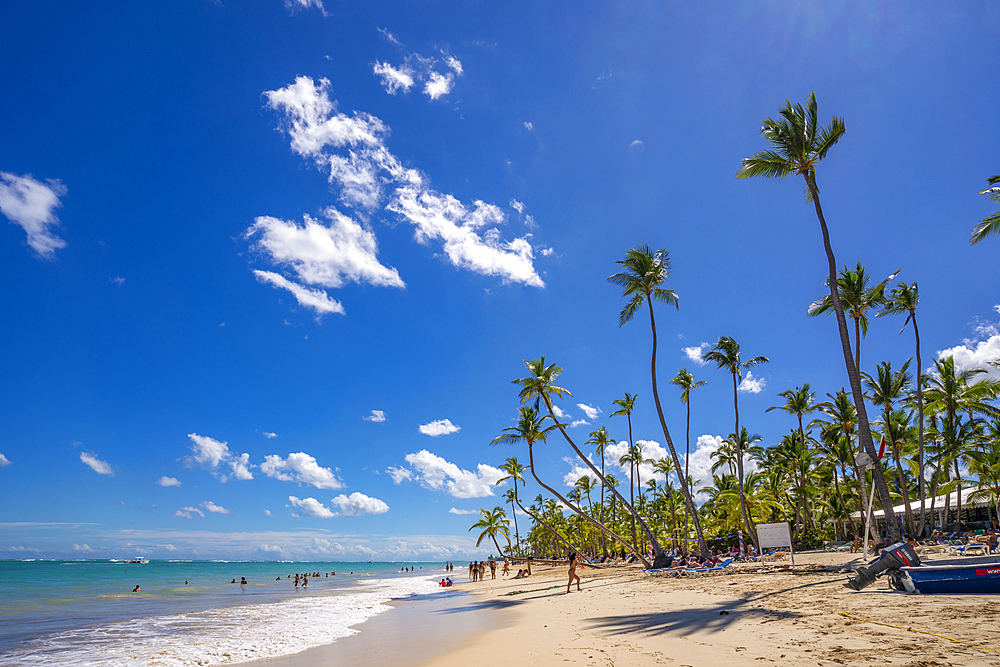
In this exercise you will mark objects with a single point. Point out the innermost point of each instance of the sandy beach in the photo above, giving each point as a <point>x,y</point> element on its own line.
<point>775,614</point>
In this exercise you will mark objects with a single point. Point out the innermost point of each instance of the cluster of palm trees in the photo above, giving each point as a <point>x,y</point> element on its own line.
<point>935,427</point>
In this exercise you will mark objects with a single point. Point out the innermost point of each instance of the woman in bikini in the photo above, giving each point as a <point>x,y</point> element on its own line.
<point>572,573</point>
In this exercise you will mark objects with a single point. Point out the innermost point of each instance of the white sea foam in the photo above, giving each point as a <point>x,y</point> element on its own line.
<point>219,636</point>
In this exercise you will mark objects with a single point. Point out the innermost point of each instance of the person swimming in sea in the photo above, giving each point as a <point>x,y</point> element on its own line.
<point>137,589</point>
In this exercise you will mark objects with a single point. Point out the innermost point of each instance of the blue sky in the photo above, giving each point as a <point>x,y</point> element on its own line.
<point>271,267</point>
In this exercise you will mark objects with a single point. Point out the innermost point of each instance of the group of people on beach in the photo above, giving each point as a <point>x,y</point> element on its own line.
<point>477,569</point>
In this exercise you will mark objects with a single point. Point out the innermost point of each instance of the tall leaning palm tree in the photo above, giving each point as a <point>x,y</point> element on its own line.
<point>726,354</point>
<point>529,430</point>
<point>626,406</point>
<point>493,522</point>
<point>641,279</point>
<point>904,299</point>
<point>991,225</point>
<point>685,380</point>
<point>798,144</point>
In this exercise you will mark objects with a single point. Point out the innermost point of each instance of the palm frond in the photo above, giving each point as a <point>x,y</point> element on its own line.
<point>630,309</point>
<point>765,164</point>
<point>988,227</point>
<point>667,296</point>
<point>829,136</point>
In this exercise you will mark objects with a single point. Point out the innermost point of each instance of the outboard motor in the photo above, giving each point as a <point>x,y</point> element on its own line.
<point>892,557</point>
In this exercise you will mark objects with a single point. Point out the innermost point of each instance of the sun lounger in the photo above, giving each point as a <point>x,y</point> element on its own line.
<point>836,546</point>
<point>777,555</point>
<point>705,571</point>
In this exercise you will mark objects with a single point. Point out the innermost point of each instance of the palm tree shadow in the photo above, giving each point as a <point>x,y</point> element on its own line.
<point>711,618</point>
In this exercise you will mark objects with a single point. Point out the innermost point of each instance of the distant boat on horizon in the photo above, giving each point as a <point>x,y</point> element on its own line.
<point>138,560</point>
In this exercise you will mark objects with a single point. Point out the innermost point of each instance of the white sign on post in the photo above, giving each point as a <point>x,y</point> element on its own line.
<point>775,535</point>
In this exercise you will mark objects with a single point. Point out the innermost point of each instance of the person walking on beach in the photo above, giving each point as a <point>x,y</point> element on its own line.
<point>572,573</point>
<point>493,569</point>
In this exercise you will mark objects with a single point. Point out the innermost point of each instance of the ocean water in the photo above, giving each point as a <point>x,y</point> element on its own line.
<point>82,612</point>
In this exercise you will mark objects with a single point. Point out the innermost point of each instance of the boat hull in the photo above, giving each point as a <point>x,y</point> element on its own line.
<point>956,576</point>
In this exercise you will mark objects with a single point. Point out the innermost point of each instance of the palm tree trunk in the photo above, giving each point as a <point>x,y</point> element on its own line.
<point>958,503</point>
<point>547,527</point>
<point>631,465</point>
<point>604,539</point>
<point>864,430</point>
<point>920,427</point>
<point>688,498</point>
<point>747,524</point>
<point>590,464</point>
<point>687,463</point>
<point>517,536</point>
<point>586,517</point>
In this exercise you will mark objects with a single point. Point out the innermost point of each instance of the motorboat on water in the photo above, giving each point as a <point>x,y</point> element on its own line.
<point>976,575</point>
<point>138,560</point>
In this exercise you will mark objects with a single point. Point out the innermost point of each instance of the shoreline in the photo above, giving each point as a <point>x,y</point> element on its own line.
<point>417,631</point>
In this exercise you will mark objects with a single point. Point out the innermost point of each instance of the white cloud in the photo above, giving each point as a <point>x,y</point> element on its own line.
<point>294,6</point>
<point>752,384</point>
<point>560,413</point>
<point>210,453</point>
<point>326,255</point>
<point>4,461</point>
<point>212,507</point>
<point>578,471</point>
<point>312,507</point>
<point>439,427</point>
<point>168,481</point>
<point>377,416</point>
<point>454,510</point>
<point>976,355</point>
<point>470,237</point>
<point>97,465</point>
<point>241,467</point>
<point>393,79</point>
<point>389,36</point>
<point>579,422</point>
<point>399,474</point>
<point>269,435</point>
<point>31,204</point>
<point>438,85</point>
<point>267,513</point>
<point>316,299</point>
<point>188,513</point>
<point>455,64</point>
<point>357,504</point>
<point>517,206</point>
<point>695,353</point>
<point>207,451</point>
<point>589,410</point>
<point>529,126</point>
<point>82,548</point>
<point>301,468</point>
<point>433,472</point>
<point>547,252</point>
<point>468,243</point>
<point>117,280</point>
<point>701,460</point>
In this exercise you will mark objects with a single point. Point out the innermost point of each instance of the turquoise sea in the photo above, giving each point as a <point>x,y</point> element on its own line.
<point>83,612</point>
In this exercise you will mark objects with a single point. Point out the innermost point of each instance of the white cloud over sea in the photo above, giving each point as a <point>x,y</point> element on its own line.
<point>301,468</point>
<point>213,454</point>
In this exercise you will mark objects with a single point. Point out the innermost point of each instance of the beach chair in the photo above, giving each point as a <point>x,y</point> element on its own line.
<point>836,546</point>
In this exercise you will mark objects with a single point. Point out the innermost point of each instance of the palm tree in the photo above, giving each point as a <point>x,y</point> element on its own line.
<point>904,299</point>
<point>798,144</point>
<point>515,473</point>
<point>529,430</point>
<point>625,408</point>
<point>991,225</point>
<point>641,280</point>
<point>685,380</point>
<point>633,457</point>
<point>889,387</point>
<point>540,385</point>
<point>798,402</point>
<point>726,354</point>
<point>600,440</point>
<point>858,297</point>
<point>493,522</point>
